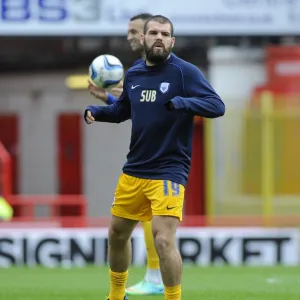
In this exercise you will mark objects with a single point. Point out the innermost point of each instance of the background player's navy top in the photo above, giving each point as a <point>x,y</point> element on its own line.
<point>110,98</point>
<point>161,139</point>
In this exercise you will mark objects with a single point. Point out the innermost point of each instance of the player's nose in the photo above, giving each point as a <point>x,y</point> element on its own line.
<point>129,37</point>
<point>159,36</point>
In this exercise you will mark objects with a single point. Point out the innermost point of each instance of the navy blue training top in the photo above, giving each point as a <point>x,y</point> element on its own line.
<point>162,101</point>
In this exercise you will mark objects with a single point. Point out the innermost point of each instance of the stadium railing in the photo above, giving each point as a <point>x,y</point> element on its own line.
<point>39,210</point>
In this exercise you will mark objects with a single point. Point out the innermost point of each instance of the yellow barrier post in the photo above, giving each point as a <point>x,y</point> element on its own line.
<point>267,151</point>
<point>209,170</point>
<point>6,211</point>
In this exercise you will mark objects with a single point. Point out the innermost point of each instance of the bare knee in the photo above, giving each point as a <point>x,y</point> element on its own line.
<point>119,232</point>
<point>117,236</point>
<point>164,232</point>
<point>163,243</point>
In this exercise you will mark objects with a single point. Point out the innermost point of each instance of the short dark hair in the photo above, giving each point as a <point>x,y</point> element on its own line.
<point>142,16</point>
<point>159,19</point>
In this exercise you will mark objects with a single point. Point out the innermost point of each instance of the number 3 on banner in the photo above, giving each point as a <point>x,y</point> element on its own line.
<point>175,187</point>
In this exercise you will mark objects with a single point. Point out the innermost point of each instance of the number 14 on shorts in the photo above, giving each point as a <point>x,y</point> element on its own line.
<point>171,188</point>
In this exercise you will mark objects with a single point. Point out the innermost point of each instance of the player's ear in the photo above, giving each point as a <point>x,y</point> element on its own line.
<point>142,39</point>
<point>173,42</point>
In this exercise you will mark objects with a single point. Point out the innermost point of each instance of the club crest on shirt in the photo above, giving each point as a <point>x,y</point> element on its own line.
<point>164,87</point>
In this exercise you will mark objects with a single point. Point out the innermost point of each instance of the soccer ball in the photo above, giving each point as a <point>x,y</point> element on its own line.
<point>106,71</point>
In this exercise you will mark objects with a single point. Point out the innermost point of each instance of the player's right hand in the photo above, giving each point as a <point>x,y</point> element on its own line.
<point>88,117</point>
<point>117,92</point>
<point>97,92</point>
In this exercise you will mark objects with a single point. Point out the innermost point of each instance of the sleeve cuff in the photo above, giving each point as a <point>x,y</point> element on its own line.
<point>111,99</point>
<point>173,104</point>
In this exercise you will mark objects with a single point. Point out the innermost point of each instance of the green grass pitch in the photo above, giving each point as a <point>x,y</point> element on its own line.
<point>209,283</point>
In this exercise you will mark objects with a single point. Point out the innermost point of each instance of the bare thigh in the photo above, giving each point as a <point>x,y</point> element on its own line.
<point>121,228</point>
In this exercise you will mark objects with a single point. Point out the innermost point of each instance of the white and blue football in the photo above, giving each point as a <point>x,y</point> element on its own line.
<point>106,71</point>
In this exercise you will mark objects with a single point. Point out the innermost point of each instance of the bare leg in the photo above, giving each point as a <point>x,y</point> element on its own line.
<point>164,232</point>
<point>119,250</point>
<point>119,254</point>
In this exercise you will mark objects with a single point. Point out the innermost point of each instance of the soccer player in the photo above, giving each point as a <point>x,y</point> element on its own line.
<point>161,96</point>
<point>152,283</point>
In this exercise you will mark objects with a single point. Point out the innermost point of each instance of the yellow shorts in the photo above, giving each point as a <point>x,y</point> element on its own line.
<point>140,199</point>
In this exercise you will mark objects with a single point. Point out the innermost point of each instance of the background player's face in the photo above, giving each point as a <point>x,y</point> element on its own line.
<point>158,42</point>
<point>135,30</point>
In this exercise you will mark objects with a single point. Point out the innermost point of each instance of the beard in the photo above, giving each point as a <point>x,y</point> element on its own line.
<point>138,48</point>
<point>156,56</point>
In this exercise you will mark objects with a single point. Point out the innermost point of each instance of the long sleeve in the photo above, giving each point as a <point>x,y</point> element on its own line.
<point>117,112</point>
<point>111,99</point>
<point>201,99</point>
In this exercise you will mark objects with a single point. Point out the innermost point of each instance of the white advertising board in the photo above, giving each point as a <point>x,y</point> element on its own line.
<point>200,246</point>
<point>110,17</point>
